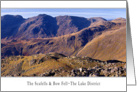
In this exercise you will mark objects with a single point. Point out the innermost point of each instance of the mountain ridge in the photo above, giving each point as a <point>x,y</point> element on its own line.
<point>39,26</point>
<point>68,44</point>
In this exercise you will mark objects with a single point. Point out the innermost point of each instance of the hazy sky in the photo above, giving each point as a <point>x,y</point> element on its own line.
<point>87,13</point>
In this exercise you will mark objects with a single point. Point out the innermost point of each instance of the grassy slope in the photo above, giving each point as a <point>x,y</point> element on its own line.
<point>39,64</point>
<point>109,45</point>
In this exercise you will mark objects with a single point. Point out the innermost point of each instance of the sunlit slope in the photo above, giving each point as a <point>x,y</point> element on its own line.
<point>108,46</point>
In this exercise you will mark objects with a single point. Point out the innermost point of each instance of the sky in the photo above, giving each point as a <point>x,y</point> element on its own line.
<point>87,13</point>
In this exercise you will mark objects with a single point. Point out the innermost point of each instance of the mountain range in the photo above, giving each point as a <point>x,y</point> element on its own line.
<point>94,37</point>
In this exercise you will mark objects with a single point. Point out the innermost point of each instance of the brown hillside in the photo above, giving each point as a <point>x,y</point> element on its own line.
<point>108,46</point>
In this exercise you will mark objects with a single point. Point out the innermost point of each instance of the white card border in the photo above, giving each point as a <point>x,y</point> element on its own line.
<point>74,7</point>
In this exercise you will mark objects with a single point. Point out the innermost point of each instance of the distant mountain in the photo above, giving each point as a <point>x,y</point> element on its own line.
<point>119,20</point>
<point>71,24</point>
<point>42,26</point>
<point>10,25</point>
